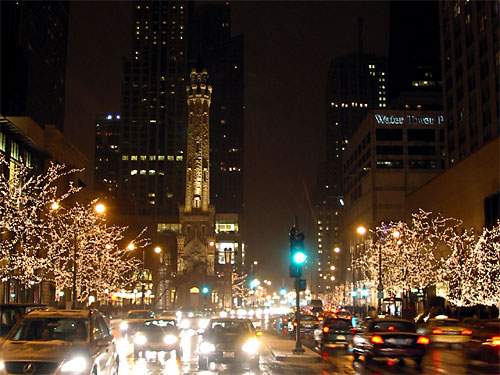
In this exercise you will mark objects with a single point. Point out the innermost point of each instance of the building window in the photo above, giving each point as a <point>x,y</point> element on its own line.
<point>14,150</point>
<point>492,210</point>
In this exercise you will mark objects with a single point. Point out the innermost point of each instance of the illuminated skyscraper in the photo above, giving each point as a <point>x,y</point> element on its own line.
<point>33,60</point>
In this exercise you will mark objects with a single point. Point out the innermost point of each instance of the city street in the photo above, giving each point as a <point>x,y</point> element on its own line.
<point>334,361</point>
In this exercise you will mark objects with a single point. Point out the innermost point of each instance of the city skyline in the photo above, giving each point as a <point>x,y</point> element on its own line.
<point>279,178</point>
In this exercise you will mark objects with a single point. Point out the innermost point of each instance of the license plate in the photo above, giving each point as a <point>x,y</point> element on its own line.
<point>340,337</point>
<point>228,354</point>
<point>450,333</point>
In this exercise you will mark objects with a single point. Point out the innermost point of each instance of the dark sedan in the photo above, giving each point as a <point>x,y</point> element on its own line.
<point>157,335</point>
<point>333,331</point>
<point>484,345</point>
<point>229,341</point>
<point>390,338</point>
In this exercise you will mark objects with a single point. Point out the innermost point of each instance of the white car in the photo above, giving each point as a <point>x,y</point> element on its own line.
<point>60,342</point>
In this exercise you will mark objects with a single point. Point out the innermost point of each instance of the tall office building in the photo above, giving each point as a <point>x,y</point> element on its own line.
<point>414,77</point>
<point>107,157</point>
<point>470,63</point>
<point>356,84</point>
<point>154,112</point>
<point>33,60</point>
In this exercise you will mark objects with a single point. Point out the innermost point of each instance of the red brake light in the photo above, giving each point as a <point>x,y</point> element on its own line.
<point>495,341</point>
<point>354,330</point>
<point>348,317</point>
<point>423,340</point>
<point>437,331</point>
<point>326,329</point>
<point>392,329</point>
<point>467,332</point>
<point>377,339</point>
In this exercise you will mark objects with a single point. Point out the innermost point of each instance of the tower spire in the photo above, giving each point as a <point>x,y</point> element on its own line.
<point>198,146</point>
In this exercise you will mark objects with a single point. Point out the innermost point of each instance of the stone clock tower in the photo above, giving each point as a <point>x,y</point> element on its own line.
<point>196,243</point>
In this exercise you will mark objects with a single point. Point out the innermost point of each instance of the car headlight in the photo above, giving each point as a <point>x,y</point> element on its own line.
<point>75,365</point>
<point>170,339</point>
<point>184,324</point>
<point>123,326</point>
<point>140,339</point>
<point>206,347</point>
<point>251,346</point>
<point>203,323</point>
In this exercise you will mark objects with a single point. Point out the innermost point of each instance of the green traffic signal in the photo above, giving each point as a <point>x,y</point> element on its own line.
<point>299,257</point>
<point>205,290</point>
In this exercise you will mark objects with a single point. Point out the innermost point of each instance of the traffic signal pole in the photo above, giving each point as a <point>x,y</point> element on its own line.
<point>297,258</point>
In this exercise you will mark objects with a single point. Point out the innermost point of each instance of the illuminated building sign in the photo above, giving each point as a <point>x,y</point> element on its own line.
<point>409,119</point>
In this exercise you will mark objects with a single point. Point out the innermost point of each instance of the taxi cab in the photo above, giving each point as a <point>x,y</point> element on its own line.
<point>447,331</point>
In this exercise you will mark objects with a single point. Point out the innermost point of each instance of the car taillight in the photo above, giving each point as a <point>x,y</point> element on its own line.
<point>326,329</point>
<point>377,339</point>
<point>466,332</point>
<point>348,317</point>
<point>437,331</point>
<point>423,340</point>
<point>354,330</point>
<point>495,341</point>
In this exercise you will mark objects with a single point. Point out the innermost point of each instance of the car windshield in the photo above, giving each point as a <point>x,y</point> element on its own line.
<point>163,324</point>
<point>308,317</point>
<point>446,323</point>
<point>338,323</point>
<point>230,327</point>
<point>47,329</point>
<point>139,315</point>
<point>394,326</point>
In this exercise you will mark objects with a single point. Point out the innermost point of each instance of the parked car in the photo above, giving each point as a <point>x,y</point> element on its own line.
<point>389,337</point>
<point>446,331</point>
<point>133,320</point>
<point>229,340</point>
<point>58,342</point>
<point>333,331</point>
<point>484,344</point>
<point>157,335</point>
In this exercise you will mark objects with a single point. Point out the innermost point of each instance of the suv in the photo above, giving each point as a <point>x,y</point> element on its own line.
<point>60,342</point>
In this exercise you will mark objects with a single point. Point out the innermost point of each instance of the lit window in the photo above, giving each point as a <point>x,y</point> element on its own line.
<point>161,157</point>
<point>143,157</point>
<point>124,157</point>
<point>170,157</point>
<point>152,172</point>
<point>151,195</point>
<point>152,157</point>
<point>178,158</point>
<point>143,172</point>
<point>133,172</point>
<point>133,157</point>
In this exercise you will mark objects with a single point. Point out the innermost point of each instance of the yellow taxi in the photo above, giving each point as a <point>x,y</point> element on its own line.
<point>444,330</point>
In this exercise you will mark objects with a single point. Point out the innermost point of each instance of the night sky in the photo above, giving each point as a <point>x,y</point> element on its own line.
<point>288,48</point>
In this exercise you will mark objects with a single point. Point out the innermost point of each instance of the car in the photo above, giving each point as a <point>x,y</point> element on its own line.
<point>133,320</point>
<point>484,344</point>
<point>446,331</point>
<point>389,337</point>
<point>193,323</point>
<point>229,340</point>
<point>157,335</point>
<point>333,331</point>
<point>308,323</point>
<point>59,342</point>
<point>10,313</point>
<point>166,314</point>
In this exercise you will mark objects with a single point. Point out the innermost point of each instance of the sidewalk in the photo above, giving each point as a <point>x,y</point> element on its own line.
<point>281,349</point>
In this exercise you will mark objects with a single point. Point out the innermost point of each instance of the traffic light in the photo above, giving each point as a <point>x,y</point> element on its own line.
<point>297,253</point>
<point>205,290</point>
<point>282,291</point>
